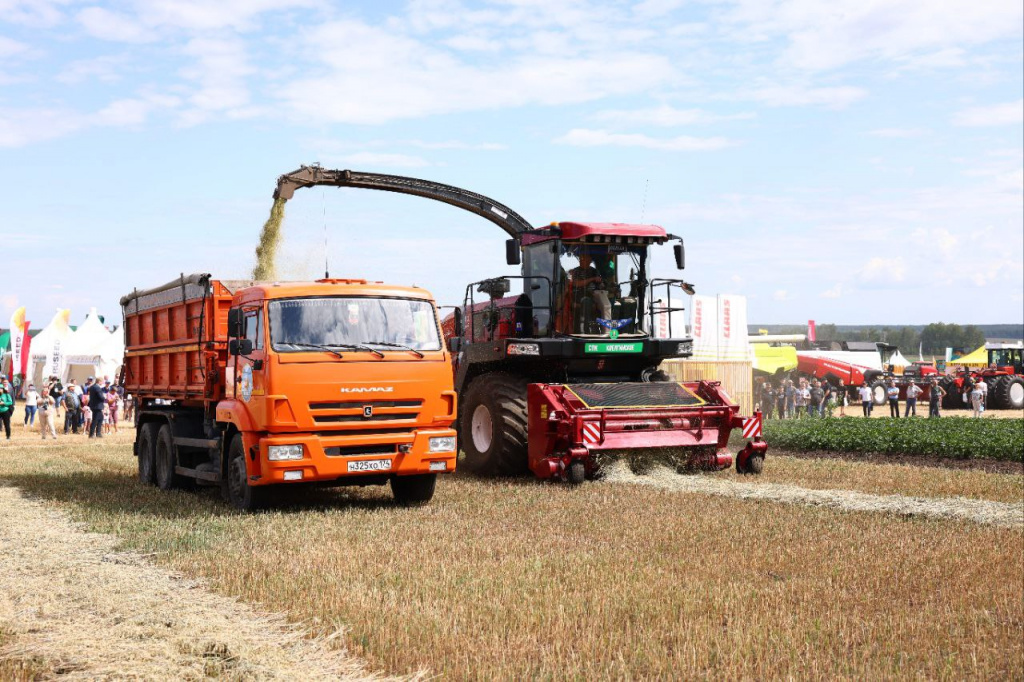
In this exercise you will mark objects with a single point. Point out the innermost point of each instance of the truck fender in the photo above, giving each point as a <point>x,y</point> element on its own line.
<point>233,412</point>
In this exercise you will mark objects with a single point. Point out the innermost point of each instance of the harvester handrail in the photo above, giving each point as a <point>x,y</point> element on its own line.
<point>469,303</point>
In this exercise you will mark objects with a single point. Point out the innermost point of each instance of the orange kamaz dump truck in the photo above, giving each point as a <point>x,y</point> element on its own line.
<point>252,386</point>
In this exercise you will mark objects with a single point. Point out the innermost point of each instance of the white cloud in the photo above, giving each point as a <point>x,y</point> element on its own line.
<point>828,35</point>
<point>10,47</point>
<point>369,75</point>
<point>781,295</point>
<point>666,116</point>
<point>837,97</point>
<point>114,26</point>
<point>581,137</point>
<point>22,127</point>
<point>1011,113</point>
<point>834,292</point>
<point>383,160</point>
<point>883,271</point>
<point>106,69</point>
<point>36,13</point>
<point>222,66</point>
<point>897,133</point>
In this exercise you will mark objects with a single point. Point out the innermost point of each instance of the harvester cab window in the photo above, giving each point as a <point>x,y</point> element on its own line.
<point>539,269</point>
<point>597,299</point>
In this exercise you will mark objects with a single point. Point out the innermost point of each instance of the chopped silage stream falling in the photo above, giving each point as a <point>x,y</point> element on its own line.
<point>978,511</point>
<point>270,240</point>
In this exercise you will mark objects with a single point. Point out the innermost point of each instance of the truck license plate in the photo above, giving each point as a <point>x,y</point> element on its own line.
<point>369,465</point>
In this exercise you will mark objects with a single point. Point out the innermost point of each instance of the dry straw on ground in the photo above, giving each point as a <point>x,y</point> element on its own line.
<point>519,579</point>
<point>74,606</point>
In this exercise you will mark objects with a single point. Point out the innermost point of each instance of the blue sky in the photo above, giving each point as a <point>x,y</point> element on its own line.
<point>848,161</point>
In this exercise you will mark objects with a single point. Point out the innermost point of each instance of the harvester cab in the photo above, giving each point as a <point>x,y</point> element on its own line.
<point>565,376</point>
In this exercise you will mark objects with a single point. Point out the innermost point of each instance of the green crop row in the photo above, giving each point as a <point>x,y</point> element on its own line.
<point>953,437</point>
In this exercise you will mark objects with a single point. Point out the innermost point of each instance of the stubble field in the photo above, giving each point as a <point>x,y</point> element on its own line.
<point>518,579</point>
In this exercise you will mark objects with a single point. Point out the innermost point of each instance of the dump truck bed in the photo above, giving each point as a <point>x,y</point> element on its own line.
<point>176,339</point>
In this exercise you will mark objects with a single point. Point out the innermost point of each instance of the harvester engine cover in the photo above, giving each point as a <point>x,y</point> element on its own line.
<point>682,425</point>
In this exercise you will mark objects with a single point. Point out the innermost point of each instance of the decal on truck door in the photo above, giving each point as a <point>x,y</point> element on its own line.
<point>246,383</point>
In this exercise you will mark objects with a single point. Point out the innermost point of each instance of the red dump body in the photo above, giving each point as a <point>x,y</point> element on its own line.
<point>178,351</point>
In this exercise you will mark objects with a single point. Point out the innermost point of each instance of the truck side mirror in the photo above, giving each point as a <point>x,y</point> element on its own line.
<point>454,344</point>
<point>512,255</point>
<point>235,321</point>
<point>680,255</point>
<point>459,328</point>
<point>240,347</point>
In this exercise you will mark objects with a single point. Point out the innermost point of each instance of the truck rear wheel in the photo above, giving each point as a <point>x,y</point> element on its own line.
<point>146,450</point>
<point>241,495</point>
<point>413,491</point>
<point>494,428</point>
<point>165,459</point>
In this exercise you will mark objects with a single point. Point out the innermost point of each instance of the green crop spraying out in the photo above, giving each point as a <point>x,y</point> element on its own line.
<point>270,239</point>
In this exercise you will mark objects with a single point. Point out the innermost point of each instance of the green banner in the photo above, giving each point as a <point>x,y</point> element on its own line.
<point>605,347</point>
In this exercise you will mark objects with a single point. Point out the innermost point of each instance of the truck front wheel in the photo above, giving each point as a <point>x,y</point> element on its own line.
<point>241,495</point>
<point>413,491</point>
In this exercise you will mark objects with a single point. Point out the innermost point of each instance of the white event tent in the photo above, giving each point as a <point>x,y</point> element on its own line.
<point>49,348</point>
<point>92,351</point>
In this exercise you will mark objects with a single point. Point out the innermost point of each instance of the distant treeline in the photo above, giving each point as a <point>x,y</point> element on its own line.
<point>935,337</point>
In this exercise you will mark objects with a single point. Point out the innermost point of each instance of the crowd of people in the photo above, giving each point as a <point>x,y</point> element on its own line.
<point>94,408</point>
<point>815,398</point>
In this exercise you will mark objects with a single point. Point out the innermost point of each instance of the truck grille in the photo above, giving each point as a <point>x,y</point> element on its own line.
<point>635,395</point>
<point>359,450</point>
<point>352,412</point>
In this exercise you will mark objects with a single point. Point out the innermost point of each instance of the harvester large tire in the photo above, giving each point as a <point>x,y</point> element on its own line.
<point>413,491</point>
<point>493,425</point>
<point>146,449</point>
<point>242,496</point>
<point>878,393</point>
<point>950,401</point>
<point>1010,393</point>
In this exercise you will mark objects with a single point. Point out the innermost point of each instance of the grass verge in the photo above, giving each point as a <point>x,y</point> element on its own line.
<point>513,580</point>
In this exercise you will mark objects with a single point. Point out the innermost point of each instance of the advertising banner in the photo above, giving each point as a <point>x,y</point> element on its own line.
<point>719,326</point>
<point>19,338</point>
<point>704,326</point>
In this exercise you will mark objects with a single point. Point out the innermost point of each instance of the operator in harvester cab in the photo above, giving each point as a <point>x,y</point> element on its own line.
<point>587,280</point>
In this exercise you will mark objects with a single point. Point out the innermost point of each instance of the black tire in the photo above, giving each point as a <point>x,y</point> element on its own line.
<point>241,495</point>
<point>496,403</point>
<point>950,401</point>
<point>413,491</point>
<point>577,472</point>
<point>146,448</point>
<point>755,464</point>
<point>1010,392</point>
<point>879,388</point>
<point>165,459</point>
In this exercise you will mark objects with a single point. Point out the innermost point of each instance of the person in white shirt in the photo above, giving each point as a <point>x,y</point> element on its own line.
<point>31,396</point>
<point>977,396</point>
<point>983,385</point>
<point>912,392</point>
<point>865,398</point>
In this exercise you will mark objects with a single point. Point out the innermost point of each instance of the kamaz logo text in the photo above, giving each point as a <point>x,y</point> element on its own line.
<point>369,389</point>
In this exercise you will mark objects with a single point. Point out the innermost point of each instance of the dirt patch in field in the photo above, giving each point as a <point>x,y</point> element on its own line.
<point>978,511</point>
<point>72,606</point>
<point>991,466</point>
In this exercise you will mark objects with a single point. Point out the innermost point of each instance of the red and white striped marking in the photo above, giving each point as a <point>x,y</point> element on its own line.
<point>752,426</point>
<point>591,433</point>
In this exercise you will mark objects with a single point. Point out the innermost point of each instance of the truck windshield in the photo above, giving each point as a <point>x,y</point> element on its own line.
<point>384,324</point>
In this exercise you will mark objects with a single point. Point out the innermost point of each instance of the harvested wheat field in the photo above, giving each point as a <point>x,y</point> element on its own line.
<point>519,579</point>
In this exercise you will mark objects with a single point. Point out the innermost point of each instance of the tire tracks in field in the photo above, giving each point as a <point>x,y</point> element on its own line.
<point>978,511</point>
<point>74,606</point>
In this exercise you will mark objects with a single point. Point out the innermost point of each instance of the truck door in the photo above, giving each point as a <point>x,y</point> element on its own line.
<point>250,368</point>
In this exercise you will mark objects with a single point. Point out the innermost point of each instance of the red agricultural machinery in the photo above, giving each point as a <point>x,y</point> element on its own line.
<point>564,377</point>
<point>1004,377</point>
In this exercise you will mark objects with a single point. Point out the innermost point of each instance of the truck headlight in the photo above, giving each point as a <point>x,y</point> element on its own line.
<point>522,349</point>
<point>442,444</point>
<point>280,453</point>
